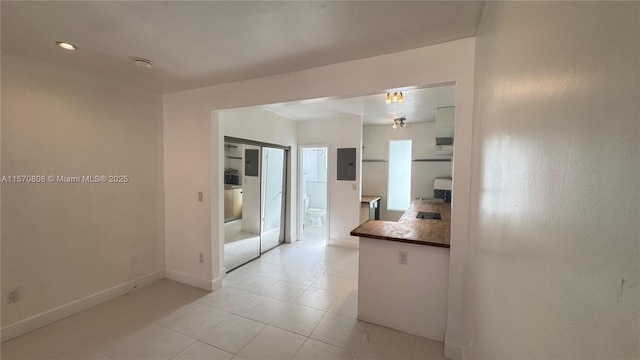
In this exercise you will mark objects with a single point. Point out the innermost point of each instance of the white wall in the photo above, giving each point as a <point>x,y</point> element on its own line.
<point>188,171</point>
<point>191,145</point>
<point>315,164</point>
<point>375,139</point>
<point>554,253</point>
<point>344,196</point>
<point>194,161</point>
<point>317,193</point>
<point>64,242</point>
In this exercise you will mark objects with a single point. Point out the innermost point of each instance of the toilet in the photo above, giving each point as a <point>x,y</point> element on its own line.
<point>313,214</point>
<point>316,216</point>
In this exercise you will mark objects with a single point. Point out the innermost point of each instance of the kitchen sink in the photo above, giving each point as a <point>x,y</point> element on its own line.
<point>429,215</point>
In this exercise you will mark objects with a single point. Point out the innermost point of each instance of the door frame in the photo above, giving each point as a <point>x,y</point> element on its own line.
<point>283,211</point>
<point>300,201</point>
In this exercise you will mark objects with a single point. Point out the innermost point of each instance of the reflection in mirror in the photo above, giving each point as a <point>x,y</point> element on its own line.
<point>273,186</point>
<point>254,200</point>
<point>241,208</point>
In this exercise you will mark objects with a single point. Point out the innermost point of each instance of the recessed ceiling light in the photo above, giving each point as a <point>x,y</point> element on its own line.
<point>66,45</point>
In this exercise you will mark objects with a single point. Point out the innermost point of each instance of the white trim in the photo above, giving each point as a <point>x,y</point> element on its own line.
<point>453,351</point>
<point>344,243</point>
<point>47,317</point>
<point>194,281</point>
<point>217,282</point>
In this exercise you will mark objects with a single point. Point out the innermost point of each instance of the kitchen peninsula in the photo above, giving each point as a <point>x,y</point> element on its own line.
<point>404,270</point>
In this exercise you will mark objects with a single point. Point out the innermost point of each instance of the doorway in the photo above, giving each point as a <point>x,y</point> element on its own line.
<point>313,213</point>
<point>254,199</point>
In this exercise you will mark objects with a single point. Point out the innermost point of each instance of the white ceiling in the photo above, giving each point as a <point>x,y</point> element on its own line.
<point>199,43</point>
<point>419,106</point>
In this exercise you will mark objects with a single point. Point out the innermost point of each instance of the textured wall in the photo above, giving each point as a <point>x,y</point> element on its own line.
<point>554,247</point>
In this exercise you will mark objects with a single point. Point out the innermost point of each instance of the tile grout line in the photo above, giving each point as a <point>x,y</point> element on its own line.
<point>181,350</point>
<point>250,340</point>
<point>129,346</point>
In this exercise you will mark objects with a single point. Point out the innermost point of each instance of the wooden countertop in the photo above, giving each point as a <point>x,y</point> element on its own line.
<point>409,229</point>
<point>369,198</point>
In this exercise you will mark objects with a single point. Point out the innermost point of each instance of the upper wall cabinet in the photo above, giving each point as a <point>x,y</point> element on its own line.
<point>445,125</point>
<point>445,121</point>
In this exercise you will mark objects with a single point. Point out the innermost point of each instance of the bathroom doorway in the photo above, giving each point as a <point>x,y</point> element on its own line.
<point>313,209</point>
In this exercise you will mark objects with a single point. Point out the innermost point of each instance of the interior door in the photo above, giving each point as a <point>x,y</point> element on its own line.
<point>272,191</point>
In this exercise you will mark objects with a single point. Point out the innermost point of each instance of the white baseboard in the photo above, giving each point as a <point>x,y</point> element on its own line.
<point>453,351</point>
<point>194,281</point>
<point>217,282</point>
<point>352,244</point>
<point>50,316</point>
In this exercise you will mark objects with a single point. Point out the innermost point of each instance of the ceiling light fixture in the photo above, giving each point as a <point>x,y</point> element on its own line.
<point>66,45</point>
<point>399,122</point>
<point>394,97</point>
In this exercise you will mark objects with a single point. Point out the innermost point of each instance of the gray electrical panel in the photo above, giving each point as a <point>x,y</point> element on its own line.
<point>347,164</point>
<point>251,162</point>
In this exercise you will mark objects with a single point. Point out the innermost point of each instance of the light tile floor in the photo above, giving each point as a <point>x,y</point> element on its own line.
<point>239,246</point>
<point>296,302</point>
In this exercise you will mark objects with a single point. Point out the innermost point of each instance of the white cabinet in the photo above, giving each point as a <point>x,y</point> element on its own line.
<point>445,121</point>
<point>445,125</point>
<point>232,203</point>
